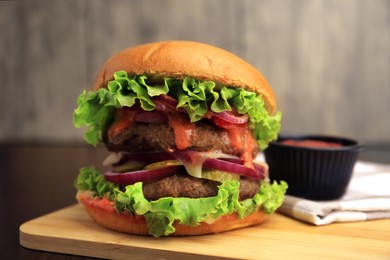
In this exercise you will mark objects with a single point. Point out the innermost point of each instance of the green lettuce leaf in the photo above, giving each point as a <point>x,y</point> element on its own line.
<point>96,109</point>
<point>90,178</point>
<point>161,214</point>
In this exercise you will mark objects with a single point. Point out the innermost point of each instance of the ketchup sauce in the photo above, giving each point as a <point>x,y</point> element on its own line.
<point>311,143</point>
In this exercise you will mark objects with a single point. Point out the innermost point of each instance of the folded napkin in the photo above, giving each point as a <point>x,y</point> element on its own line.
<point>367,197</point>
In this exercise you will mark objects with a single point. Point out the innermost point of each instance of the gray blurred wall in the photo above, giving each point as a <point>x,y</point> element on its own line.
<point>327,60</point>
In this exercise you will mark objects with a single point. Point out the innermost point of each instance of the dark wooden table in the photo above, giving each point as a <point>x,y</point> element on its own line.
<point>37,179</point>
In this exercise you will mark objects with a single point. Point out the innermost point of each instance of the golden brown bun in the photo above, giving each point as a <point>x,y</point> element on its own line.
<point>185,58</point>
<point>103,212</point>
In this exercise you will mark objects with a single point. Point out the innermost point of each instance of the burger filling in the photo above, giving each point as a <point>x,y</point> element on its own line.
<point>177,132</point>
<point>181,185</point>
<point>178,143</point>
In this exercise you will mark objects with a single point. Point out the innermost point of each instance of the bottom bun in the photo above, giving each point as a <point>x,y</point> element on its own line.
<point>104,213</point>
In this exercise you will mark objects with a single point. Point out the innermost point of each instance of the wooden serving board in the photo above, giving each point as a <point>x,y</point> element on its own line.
<point>71,231</point>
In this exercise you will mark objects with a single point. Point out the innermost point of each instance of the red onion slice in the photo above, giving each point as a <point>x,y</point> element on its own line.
<point>230,117</point>
<point>261,167</point>
<point>165,103</point>
<point>257,173</point>
<point>151,117</point>
<point>231,165</point>
<point>128,178</point>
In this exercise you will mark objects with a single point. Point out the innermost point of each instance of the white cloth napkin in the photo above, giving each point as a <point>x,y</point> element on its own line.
<point>367,197</point>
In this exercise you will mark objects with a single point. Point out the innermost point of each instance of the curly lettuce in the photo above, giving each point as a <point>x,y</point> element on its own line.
<point>92,179</point>
<point>162,213</point>
<point>96,109</point>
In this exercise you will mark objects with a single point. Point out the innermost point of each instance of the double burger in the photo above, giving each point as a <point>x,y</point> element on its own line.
<point>183,123</point>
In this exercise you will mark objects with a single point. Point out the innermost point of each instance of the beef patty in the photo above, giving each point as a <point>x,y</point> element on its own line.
<point>191,187</point>
<point>155,137</point>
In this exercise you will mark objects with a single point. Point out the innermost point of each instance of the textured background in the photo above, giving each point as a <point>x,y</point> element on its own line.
<point>327,60</point>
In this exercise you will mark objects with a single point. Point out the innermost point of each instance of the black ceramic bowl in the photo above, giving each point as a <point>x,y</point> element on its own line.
<point>313,172</point>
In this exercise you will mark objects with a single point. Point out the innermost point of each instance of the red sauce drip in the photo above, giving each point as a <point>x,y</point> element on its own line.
<point>105,205</point>
<point>124,118</point>
<point>242,139</point>
<point>311,143</point>
<point>102,203</point>
<point>182,128</point>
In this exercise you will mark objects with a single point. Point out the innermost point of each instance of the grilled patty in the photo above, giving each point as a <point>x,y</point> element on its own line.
<point>156,137</point>
<point>190,187</point>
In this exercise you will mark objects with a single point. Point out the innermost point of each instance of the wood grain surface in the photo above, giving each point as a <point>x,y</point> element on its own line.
<point>327,60</point>
<point>71,231</point>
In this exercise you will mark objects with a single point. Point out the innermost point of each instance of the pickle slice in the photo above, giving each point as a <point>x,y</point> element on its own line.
<point>161,164</point>
<point>129,166</point>
<point>220,176</point>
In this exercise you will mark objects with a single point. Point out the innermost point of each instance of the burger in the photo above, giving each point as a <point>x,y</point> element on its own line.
<point>183,123</point>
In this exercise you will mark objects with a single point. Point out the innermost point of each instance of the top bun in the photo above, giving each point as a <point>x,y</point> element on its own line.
<point>184,58</point>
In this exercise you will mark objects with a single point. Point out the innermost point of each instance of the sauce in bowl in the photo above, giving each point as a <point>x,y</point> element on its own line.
<point>311,143</point>
<point>316,167</point>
